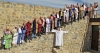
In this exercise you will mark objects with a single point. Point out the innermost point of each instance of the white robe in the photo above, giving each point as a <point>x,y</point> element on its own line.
<point>67,15</point>
<point>76,13</point>
<point>59,37</point>
<point>15,36</point>
<point>47,25</point>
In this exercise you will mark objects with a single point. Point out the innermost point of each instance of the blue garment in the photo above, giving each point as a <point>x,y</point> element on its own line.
<point>73,9</point>
<point>70,13</point>
<point>23,34</point>
<point>19,38</point>
<point>33,35</point>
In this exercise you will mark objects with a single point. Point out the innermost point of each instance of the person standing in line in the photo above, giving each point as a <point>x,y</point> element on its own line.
<point>39,22</point>
<point>8,39</point>
<point>58,20</point>
<point>52,21</point>
<point>70,15</point>
<point>67,15</point>
<point>73,12</point>
<point>48,24</point>
<point>84,11</point>
<point>61,17</point>
<point>23,32</point>
<point>15,36</point>
<point>81,12</point>
<point>19,35</point>
<point>28,31</point>
<point>90,11</point>
<point>95,9</point>
<point>76,12</point>
<point>34,28</point>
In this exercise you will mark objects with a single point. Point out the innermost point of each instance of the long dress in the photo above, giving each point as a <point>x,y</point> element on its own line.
<point>47,25</point>
<point>8,41</point>
<point>59,37</point>
<point>15,36</point>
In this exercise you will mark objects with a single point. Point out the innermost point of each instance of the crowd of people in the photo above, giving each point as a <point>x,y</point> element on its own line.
<point>43,25</point>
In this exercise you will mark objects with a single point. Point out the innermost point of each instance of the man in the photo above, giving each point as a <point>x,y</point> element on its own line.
<point>34,28</point>
<point>59,37</point>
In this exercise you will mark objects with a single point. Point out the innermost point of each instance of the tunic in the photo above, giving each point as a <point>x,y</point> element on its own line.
<point>59,37</point>
<point>8,41</point>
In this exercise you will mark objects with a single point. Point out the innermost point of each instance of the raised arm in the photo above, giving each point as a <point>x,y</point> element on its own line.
<point>65,31</point>
<point>53,30</point>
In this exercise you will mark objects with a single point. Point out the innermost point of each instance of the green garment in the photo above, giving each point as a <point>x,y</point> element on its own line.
<point>8,41</point>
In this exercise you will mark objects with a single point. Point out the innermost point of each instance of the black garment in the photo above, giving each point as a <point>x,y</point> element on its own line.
<point>34,27</point>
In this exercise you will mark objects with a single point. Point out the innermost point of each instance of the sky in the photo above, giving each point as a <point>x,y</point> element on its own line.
<point>54,3</point>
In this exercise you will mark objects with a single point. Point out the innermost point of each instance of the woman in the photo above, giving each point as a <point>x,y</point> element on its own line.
<point>8,39</point>
<point>15,36</point>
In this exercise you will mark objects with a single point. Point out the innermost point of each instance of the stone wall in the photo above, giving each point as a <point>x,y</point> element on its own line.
<point>14,14</point>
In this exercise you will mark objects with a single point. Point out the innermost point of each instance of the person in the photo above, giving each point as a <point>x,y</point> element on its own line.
<point>39,22</point>
<point>52,21</point>
<point>70,15</point>
<point>23,28</point>
<point>61,17</point>
<point>90,11</point>
<point>19,35</point>
<point>48,24</point>
<point>76,12</point>
<point>95,9</point>
<point>15,36</point>
<point>8,39</point>
<point>73,12</point>
<point>43,25</point>
<point>59,37</point>
<point>81,12</point>
<point>34,28</point>
<point>58,19</point>
<point>67,15</point>
<point>86,10</point>
<point>28,31</point>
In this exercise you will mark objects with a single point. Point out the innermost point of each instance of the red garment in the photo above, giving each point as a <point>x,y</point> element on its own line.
<point>86,8</point>
<point>39,28</point>
<point>41,20</point>
<point>28,29</point>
